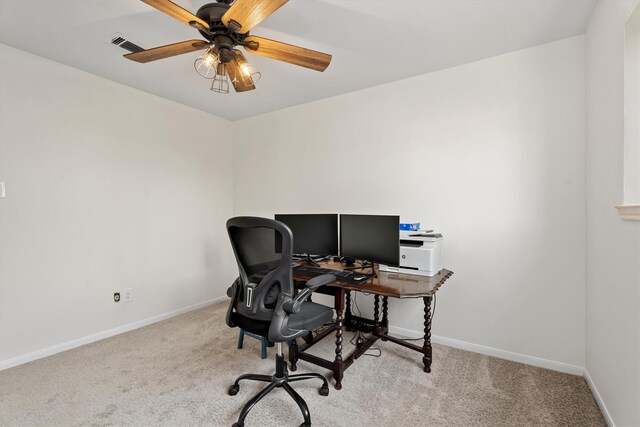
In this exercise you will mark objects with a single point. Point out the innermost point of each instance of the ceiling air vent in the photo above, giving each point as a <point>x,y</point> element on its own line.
<point>119,40</point>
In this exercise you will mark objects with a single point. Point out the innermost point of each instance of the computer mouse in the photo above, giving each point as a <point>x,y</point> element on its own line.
<point>358,277</point>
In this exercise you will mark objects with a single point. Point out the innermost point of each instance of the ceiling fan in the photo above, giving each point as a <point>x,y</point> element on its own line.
<point>225,25</point>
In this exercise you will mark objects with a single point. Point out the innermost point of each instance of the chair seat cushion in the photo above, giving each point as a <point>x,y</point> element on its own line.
<point>311,316</point>
<point>257,327</point>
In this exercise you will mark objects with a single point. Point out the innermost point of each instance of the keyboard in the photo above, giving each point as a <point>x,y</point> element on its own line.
<point>309,270</point>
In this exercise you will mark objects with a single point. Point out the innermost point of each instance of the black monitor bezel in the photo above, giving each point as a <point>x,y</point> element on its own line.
<point>335,249</point>
<point>380,260</point>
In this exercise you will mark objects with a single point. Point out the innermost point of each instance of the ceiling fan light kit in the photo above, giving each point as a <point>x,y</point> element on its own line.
<point>225,25</point>
<point>220,82</point>
<point>206,63</point>
<point>245,71</point>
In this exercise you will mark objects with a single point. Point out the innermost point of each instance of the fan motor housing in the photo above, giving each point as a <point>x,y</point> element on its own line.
<point>224,45</point>
<point>212,14</point>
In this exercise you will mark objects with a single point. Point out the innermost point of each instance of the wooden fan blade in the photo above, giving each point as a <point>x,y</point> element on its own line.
<point>234,72</point>
<point>175,11</point>
<point>167,51</point>
<point>288,53</point>
<point>246,14</point>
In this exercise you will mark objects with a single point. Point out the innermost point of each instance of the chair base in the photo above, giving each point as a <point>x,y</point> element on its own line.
<point>280,379</point>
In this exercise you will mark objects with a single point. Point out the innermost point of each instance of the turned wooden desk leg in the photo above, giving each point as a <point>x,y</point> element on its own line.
<point>426,347</point>
<point>385,315</point>
<point>338,364</point>
<point>293,354</point>
<point>347,315</point>
<point>376,311</point>
<point>308,338</point>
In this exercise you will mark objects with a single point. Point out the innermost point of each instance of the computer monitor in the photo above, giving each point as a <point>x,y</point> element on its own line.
<point>313,234</point>
<point>375,238</point>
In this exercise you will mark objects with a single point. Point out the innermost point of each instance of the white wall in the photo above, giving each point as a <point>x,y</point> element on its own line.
<point>613,245</point>
<point>490,153</point>
<point>632,108</point>
<point>107,188</point>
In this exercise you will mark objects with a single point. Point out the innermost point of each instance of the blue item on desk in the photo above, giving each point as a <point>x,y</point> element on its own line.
<point>405,226</point>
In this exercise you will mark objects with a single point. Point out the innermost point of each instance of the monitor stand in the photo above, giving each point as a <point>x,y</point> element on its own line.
<point>310,259</point>
<point>349,262</point>
<point>364,264</point>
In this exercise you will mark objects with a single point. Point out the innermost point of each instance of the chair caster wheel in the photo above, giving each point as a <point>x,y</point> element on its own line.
<point>305,425</point>
<point>324,390</point>
<point>237,425</point>
<point>233,390</point>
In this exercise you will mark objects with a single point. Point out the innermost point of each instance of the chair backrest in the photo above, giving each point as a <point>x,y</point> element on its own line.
<point>263,249</point>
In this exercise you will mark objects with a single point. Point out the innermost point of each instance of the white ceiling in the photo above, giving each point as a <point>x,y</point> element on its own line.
<point>372,42</point>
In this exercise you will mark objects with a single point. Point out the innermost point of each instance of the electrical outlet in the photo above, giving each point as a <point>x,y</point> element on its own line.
<point>3,191</point>
<point>127,295</point>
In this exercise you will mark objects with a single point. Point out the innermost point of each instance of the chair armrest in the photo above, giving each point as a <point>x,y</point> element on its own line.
<point>316,282</point>
<point>233,286</point>
<point>293,305</point>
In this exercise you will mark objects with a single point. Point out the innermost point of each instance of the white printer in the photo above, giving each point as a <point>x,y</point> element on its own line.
<point>420,254</point>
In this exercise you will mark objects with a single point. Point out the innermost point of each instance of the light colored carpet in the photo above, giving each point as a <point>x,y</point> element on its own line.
<point>176,373</point>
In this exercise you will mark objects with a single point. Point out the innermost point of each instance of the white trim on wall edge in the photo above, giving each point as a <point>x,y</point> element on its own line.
<point>629,212</point>
<point>39,354</point>
<point>489,351</point>
<point>599,401</point>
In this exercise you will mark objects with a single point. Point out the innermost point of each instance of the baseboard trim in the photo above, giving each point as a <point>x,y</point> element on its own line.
<point>409,333</point>
<point>599,400</point>
<point>49,351</point>
<point>490,351</point>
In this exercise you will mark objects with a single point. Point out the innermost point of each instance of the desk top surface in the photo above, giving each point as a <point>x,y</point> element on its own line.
<point>397,285</point>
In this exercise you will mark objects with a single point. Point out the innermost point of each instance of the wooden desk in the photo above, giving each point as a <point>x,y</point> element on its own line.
<point>386,285</point>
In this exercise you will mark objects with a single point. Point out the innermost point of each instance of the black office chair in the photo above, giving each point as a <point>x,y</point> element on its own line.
<point>263,302</point>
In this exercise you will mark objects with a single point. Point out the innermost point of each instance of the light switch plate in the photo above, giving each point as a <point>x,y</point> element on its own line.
<point>3,192</point>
